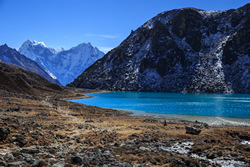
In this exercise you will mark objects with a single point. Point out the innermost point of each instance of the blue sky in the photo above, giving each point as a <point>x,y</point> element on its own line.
<point>104,23</point>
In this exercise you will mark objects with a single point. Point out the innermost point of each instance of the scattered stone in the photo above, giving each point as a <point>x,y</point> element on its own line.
<point>206,125</point>
<point>30,150</point>
<point>241,158</point>
<point>175,162</point>
<point>89,120</point>
<point>100,121</point>
<point>15,164</point>
<point>149,121</point>
<point>144,148</point>
<point>39,163</point>
<point>9,156</point>
<point>192,130</point>
<point>211,155</point>
<point>116,144</point>
<point>1,121</point>
<point>36,137</point>
<point>52,160</point>
<point>22,141</point>
<point>14,109</point>
<point>28,158</point>
<point>14,126</point>
<point>76,160</point>
<point>61,164</point>
<point>4,132</point>
<point>2,163</point>
<point>219,153</point>
<point>135,135</point>
<point>107,154</point>
<point>165,123</point>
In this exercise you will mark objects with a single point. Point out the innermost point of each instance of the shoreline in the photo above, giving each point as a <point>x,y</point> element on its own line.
<point>52,131</point>
<point>224,121</point>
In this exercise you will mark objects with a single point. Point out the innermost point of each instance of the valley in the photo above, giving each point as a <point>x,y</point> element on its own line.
<point>179,51</point>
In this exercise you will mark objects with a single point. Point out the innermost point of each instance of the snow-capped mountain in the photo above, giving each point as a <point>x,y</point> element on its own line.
<point>182,50</point>
<point>14,58</point>
<point>39,52</point>
<point>65,65</point>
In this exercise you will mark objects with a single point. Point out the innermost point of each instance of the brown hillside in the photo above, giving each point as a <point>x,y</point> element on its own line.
<point>18,80</point>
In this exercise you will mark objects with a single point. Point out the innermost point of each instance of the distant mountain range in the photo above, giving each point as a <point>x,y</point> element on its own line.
<point>182,50</point>
<point>63,65</point>
<point>14,58</point>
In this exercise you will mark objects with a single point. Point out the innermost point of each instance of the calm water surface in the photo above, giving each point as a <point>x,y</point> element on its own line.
<point>209,108</point>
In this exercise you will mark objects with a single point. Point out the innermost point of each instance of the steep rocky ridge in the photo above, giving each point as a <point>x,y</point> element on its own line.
<point>14,58</point>
<point>18,80</point>
<point>182,50</point>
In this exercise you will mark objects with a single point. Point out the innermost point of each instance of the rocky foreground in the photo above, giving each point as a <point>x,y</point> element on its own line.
<point>48,130</point>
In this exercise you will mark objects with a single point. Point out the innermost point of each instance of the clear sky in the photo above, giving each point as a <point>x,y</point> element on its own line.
<point>104,23</point>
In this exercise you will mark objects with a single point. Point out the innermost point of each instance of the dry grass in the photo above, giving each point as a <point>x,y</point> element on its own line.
<point>70,121</point>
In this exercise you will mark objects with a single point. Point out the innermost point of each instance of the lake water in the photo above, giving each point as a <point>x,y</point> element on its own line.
<point>209,108</point>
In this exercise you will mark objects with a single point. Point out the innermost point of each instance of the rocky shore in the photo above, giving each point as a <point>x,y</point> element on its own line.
<point>48,130</point>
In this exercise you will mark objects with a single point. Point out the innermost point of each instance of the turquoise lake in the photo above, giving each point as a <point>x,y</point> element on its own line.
<point>209,108</point>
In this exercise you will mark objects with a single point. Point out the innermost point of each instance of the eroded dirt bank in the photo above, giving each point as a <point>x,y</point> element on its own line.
<point>47,130</point>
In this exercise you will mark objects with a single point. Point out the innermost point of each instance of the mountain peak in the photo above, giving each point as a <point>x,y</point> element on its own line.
<point>38,43</point>
<point>84,44</point>
<point>4,46</point>
<point>26,44</point>
<point>33,43</point>
<point>65,65</point>
<point>11,56</point>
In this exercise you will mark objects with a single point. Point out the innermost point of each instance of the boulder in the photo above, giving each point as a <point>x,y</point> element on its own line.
<point>165,123</point>
<point>76,160</point>
<point>9,156</point>
<point>192,130</point>
<point>20,140</point>
<point>39,163</point>
<point>4,133</point>
<point>2,163</point>
<point>15,164</point>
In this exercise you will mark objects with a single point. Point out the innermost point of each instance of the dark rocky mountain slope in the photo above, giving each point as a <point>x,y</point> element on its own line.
<point>18,80</point>
<point>182,50</point>
<point>14,58</point>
